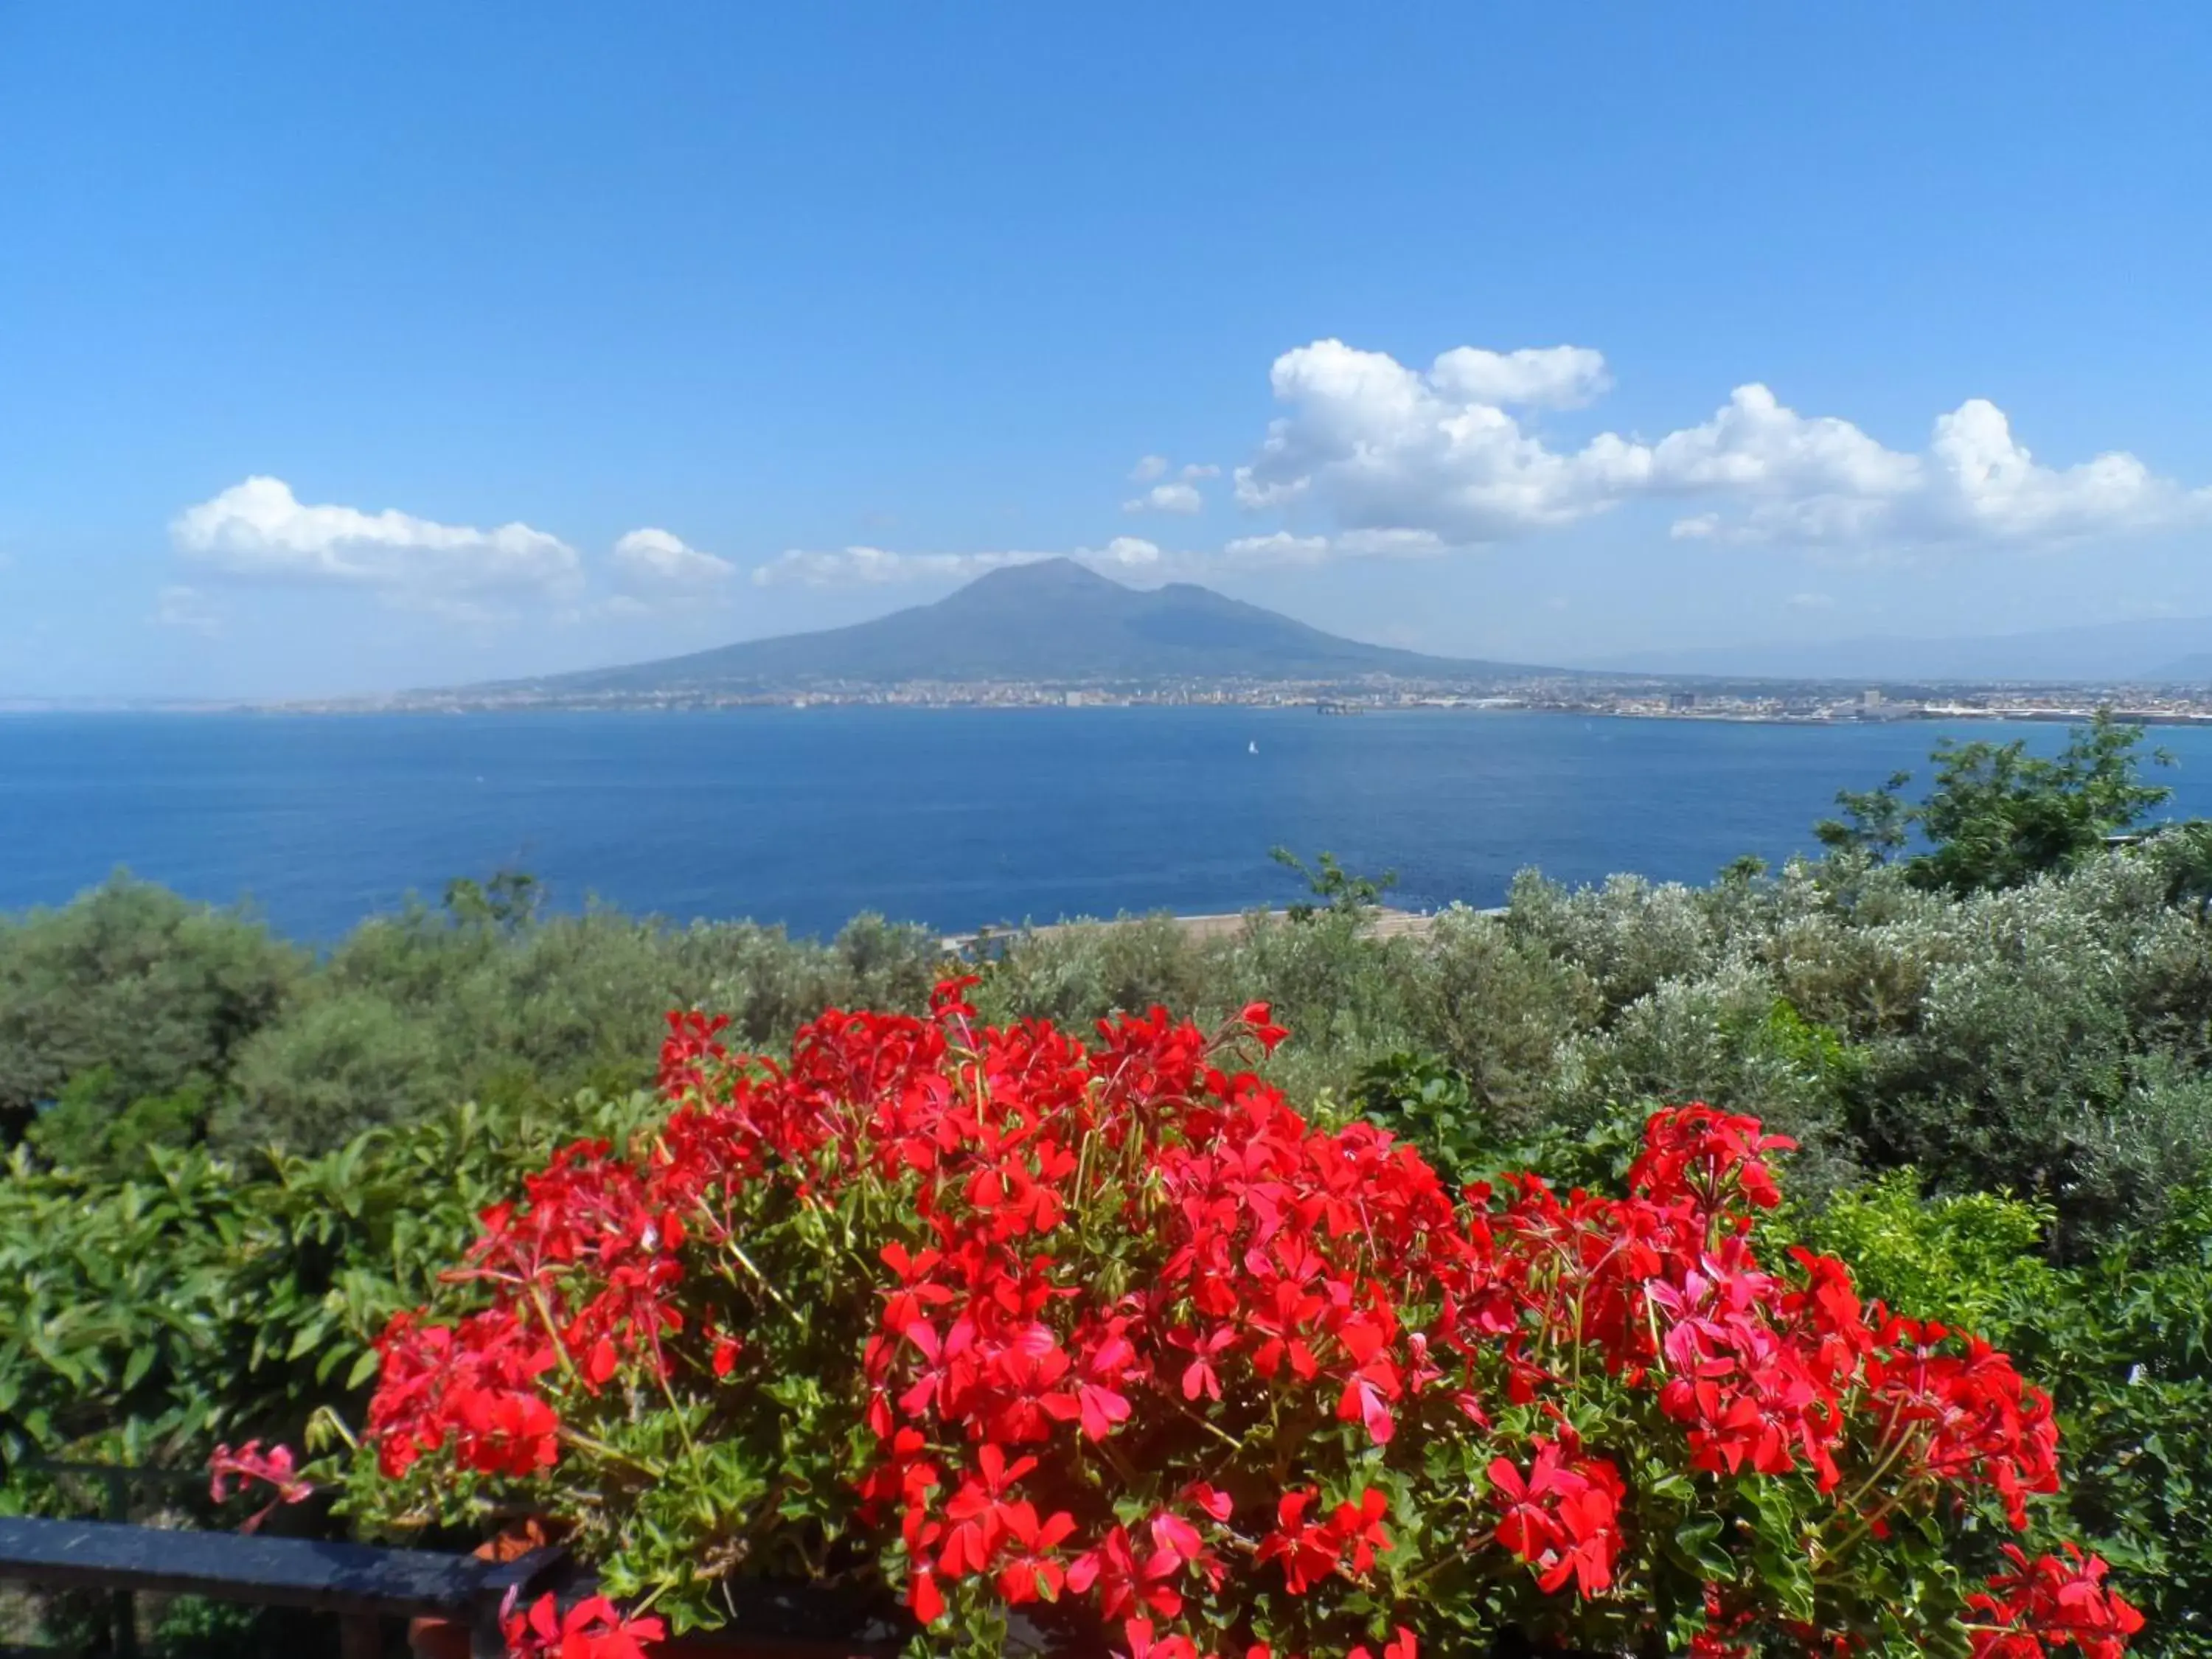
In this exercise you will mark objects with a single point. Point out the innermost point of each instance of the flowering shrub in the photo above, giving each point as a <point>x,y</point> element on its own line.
<point>1110,1338</point>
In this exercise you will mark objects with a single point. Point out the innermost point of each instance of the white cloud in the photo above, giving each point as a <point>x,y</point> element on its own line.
<point>1809,601</point>
<point>657,564</point>
<point>258,531</point>
<point>1377,448</point>
<point>1825,482</point>
<point>1167,498</point>
<point>1550,377</point>
<point>1178,495</point>
<point>187,609</point>
<point>1989,480</point>
<point>1126,556</point>
<point>1381,447</point>
<point>876,567</point>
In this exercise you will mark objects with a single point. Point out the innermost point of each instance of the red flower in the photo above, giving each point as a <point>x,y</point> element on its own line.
<point>249,1463</point>
<point>1144,1645</point>
<point>1031,1571</point>
<point>1112,1567</point>
<point>593,1629</point>
<point>1258,1018</point>
<point>1345,1542</point>
<point>978,1512</point>
<point>1560,1518</point>
<point>923,1598</point>
<point>2049,1602</point>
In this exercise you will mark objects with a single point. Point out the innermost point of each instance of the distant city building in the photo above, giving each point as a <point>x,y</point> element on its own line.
<point>1681,700</point>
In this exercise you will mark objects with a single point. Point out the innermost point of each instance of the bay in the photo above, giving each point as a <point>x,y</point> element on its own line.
<point>954,818</point>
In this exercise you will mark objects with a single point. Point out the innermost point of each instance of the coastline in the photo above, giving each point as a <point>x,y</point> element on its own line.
<point>2036,707</point>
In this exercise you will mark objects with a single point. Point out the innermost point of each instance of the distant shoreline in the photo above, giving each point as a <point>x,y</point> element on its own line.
<point>1842,713</point>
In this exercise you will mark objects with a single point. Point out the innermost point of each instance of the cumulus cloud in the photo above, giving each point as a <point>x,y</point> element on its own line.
<point>1378,445</point>
<point>1127,556</point>
<point>1176,497</point>
<point>656,564</point>
<point>1548,377</point>
<point>258,531</point>
<point>877,567</point>
<point>1380,449</point>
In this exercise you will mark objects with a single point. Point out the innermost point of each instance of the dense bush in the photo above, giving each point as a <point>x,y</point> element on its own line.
<point>206,1298</point>
<point>129,996</point>
<point>2127,1342</point>
<point>131,1018</point>
<point>2049,1040</point>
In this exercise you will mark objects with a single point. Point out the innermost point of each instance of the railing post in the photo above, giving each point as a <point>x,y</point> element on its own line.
<point>122,1606</point>
<point>486,1639</point>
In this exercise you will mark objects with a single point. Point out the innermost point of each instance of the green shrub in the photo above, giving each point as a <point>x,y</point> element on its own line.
<point>2126,1344</point>
<point>209,1297</point>
<point>1973,1259</point>
<point>130,992</point>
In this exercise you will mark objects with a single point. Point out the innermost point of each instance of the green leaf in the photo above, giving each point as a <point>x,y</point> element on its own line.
<point>141,1362</point>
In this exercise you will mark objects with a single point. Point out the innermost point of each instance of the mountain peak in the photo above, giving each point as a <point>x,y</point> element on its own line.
<point>1049,621</point>
<point>1059,574</point>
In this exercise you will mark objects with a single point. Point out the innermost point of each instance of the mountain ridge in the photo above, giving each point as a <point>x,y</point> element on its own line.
<point>1052,622</point>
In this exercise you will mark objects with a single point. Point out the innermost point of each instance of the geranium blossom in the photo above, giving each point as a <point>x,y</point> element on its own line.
<point>249,1465</point>
<point>1132,1344</point>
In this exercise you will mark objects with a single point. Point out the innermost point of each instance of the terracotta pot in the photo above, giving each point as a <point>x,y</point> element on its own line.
<point>437,1638</point>
<point>448,1638</point>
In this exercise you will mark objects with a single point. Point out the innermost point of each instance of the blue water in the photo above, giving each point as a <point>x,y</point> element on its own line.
<point>951,819</point>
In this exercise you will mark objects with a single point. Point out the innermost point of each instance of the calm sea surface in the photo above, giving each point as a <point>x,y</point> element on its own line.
<point>951,818</point>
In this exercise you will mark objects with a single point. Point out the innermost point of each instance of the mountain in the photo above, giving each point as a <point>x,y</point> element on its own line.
<point>2160,651</point>
<point>1053,621</point>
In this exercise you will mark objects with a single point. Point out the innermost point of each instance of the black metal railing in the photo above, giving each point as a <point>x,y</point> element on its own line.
<point>363,1587</point>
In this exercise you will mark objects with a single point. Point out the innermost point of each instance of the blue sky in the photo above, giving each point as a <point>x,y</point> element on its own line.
<point>351,346</point>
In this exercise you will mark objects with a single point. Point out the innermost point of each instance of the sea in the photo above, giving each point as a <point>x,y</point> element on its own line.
<point>953,819</point>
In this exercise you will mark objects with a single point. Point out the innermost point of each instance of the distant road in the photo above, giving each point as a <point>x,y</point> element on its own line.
<point>1384,923</point>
